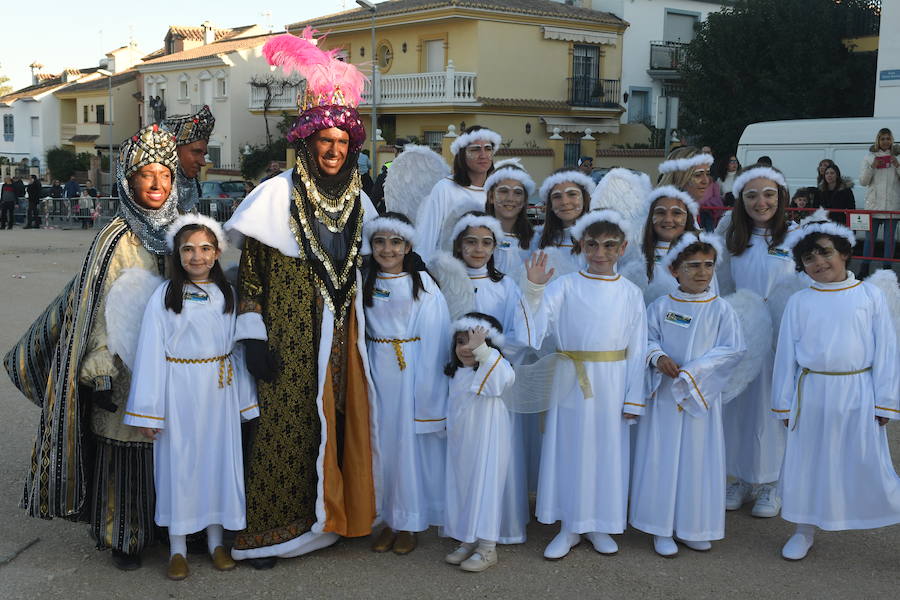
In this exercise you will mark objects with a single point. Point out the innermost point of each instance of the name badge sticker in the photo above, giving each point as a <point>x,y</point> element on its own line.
<point>381,294</point>
<point>780,253</point>
<point>195,297</point>
<point>678,319</point>
<point>504,244</point>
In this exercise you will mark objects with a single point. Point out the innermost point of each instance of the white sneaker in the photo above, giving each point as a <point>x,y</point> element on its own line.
<point>603,542</point>
<point>665,546</point>
<point>561,544</point>
<point>737,493</point>
<point>797,547</point>
<point>458,556</point>
<point>480,561</point>
<point>768,503</point>
<point>697,546</point>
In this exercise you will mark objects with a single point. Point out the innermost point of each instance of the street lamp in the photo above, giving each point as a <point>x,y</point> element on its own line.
<point>369,6</point>
<point>112,177</point>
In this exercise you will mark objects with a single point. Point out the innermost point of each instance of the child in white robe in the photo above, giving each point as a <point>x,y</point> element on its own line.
<point>678,478</point>
<point>566,195</point>
<point>479,441</point>
<point>406,325</point>
<point>508,189</point>
<point>836,385</point>
<point>754,444</point>
<point>596,319</point>
<point>190,391</point>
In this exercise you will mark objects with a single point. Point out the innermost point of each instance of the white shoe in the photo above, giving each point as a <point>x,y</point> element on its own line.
<point>797,547</point>
<point>697,546</point>
<point>665,546</point>
<point>480,561</point>
<point>603,543</point>
<point>768,503</point>
<point>737,494</point>
<point>561,544</point>
<point>458,556</point>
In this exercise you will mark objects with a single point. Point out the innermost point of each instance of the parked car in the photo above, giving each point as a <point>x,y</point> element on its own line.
<point>222,189</point>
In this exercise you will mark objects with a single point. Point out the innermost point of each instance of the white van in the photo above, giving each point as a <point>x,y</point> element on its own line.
<point>797,146</point>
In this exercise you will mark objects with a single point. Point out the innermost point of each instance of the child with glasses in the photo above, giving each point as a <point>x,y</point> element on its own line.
<point>678,479</point>
<point>508,189</point>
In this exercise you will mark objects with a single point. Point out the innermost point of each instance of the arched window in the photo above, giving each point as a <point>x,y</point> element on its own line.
<point>221,90</point>
<point>184,87</point>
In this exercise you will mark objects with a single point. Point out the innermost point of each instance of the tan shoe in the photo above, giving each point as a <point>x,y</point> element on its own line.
<point>222,561</point>
<point>384,541</point>
<point>178,568</point>
<point>405,543</point>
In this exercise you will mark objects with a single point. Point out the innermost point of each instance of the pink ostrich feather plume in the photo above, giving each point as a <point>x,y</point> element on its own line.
<point>321,68</point>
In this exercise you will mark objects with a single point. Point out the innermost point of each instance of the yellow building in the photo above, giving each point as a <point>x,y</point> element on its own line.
<point>530,69</point>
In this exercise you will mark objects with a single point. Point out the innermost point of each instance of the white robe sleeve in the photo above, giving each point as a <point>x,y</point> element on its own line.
<point>494,373</point>
<point>147,397</point>
<point>545,315</point>
<point>431,386</point>
<point>248,403</point>
<point>430,220</point>
<point>635,403</point>
<point>784,374</point>
<point>653,376</point>
<point>885,361</point>
<point>702,379</point>
<point>518,318</point>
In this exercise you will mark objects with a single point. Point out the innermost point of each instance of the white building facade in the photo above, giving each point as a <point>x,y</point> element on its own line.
<point>30,122</point>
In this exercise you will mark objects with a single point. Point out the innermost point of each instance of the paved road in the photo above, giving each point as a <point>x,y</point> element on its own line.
<point>56,559</point>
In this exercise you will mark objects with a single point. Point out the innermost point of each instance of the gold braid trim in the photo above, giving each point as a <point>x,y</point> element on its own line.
<point>398,347</point>
<point>199,361</point>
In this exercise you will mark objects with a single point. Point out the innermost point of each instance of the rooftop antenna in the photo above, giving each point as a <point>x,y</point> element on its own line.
<point>267,19</point>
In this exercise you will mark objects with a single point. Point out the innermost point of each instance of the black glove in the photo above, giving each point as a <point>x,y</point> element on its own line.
<point>261,362</point>
<point>103,399</point>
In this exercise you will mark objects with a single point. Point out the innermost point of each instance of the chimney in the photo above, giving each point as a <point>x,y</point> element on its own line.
<point>35,69</point>
<point>209,34</point>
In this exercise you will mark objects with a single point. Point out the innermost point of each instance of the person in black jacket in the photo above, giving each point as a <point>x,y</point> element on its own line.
<point>834,193</point>
<point>32,220</point>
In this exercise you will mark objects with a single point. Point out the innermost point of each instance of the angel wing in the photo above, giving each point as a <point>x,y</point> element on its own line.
<point>124,311</point>
<point>540,385</point>
<point>451,276</point>
<point>625,191</point>
<point>783,289</point>
<point>886,281</point>
<point>756,325</point>
<point>412,175</point>
<point>723,263</point>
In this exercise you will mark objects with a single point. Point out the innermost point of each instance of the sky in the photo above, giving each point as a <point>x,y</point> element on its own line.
<point>67,33</point>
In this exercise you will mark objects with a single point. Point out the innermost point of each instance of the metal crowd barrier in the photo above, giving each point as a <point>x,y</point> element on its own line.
<point>90,212</point>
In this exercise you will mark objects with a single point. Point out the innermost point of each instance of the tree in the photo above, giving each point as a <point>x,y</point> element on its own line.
<point>766,60</point>
<point>63,163</point>
<point>4,89</point>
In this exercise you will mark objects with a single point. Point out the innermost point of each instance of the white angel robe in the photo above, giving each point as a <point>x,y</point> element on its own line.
<point>678,478</point>
<point>754,442</point>
<point>479,438</point>
<point>412,401</point>
<point>585,455</point>
<point>838,472</point>
<point>559,255</point>
<point>198,404</point>
<point>448,199</point>
<point>509,257</point>
<point>503,300</point>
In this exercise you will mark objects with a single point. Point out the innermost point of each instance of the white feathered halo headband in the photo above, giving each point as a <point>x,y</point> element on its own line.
<point>370,228</point>
<point>468,323</point>
<point>597,216</point>
<point>686,164</point>
<point>467,139</point>
<point>478,221</point>
<point>692,237</point>
<point>566,177</point>
<point>194,219</point>
<point>510,173</point>
<point>817,223</point>
<point>670,191</point>
<point>756,173</point>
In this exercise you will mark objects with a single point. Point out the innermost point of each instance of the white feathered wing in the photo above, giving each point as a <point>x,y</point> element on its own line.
<point>409,180</point>
<point>886,281</point>
<point>756,325</point>
<point>624,191</point>
<point>124,311</point>
<point>450,274</point>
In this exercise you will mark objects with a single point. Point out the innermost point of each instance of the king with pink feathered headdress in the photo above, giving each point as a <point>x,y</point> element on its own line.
<point>333,87</point>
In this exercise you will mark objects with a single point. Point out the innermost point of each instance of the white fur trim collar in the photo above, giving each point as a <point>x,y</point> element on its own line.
<point>686,164</point>
<point>597,216</point>
<point>688,238</point>
<point>670,191</point>
<point>377,224</point>
<point>756,173</point>
<point>478,221</point>
<point>467,139</point>
<point>817,222</point>
<point>469,323</point>
<point>510,173</point>
<point>195,219</point>
<point>567,176</point>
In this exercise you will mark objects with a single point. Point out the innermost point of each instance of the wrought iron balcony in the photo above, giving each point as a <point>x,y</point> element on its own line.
<point>666,56</point>
<point>593,92</point>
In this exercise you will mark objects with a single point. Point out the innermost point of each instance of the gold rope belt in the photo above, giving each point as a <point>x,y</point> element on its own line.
<point>806,372</point>
<point>398,347</point>
<point>199,361</point>
<point>579,357</point>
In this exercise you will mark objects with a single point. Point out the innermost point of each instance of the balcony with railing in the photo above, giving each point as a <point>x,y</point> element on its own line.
<point>66,131</point>
<point>444,87</point>
<point>593,92</point>
<point>665,58</point>
<point>283,96</point>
